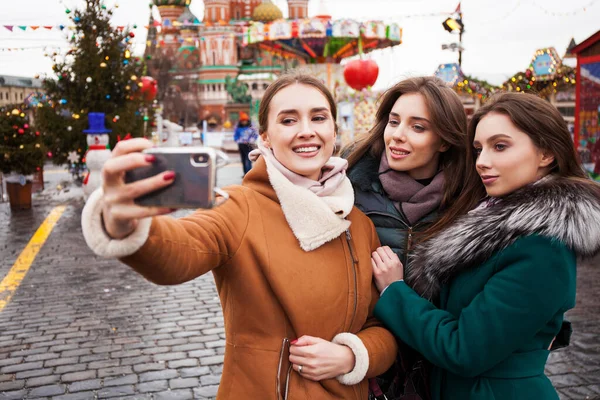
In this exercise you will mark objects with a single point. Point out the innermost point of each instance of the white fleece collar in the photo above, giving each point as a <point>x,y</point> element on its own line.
<point>314,220</point>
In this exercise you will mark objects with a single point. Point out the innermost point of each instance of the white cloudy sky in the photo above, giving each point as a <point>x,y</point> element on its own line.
<point>500,38</point>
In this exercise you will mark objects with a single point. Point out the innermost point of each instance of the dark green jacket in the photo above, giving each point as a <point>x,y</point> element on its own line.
<point>392,226</point>
<point>503,277</point>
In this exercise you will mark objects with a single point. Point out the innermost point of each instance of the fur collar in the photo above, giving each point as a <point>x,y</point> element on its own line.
<point>314,220</point>
<point>364,173</point>
<point>563,209</point>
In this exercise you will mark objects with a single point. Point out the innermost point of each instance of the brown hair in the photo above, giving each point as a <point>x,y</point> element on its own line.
<point>448,120</point>
<point>285,80</point>
<point>539,120</point>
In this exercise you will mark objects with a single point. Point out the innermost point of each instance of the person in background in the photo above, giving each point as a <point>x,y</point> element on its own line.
<point>245,136</point>
<point>485,295</point>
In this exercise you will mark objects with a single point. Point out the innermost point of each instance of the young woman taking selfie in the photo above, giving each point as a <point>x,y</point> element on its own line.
<point>485,295</point>
<point>290,254</point>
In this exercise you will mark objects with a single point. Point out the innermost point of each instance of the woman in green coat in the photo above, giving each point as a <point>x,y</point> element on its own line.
<point>485,296</point>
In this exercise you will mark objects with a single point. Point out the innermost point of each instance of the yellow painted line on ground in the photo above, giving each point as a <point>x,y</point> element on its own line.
<point>15,276</point>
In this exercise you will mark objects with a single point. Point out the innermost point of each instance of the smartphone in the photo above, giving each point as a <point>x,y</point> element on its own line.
<point>195,177</point>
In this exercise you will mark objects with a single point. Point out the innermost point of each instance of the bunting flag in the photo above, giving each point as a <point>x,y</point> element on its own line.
<point>49,27</point>
<point>34,27</point>
<point>22,27</point>
<point>9,27</point>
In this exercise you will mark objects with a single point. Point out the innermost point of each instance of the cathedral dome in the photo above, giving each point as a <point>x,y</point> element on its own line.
<point>188,18</point>
<point>267,12</point>
<point>179,3</point>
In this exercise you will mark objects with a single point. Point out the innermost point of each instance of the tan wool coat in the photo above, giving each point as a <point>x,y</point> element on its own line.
<point>271,289</point>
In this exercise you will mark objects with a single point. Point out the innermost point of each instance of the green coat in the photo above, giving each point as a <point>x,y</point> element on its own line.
<point>488,338</point>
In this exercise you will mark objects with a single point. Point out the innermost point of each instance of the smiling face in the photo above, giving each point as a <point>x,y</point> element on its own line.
<point>301,129</point>
<point>411,145</point>
<point>507,159</point>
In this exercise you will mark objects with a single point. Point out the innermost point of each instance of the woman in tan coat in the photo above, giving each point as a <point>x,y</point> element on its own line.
<point>290,254</point>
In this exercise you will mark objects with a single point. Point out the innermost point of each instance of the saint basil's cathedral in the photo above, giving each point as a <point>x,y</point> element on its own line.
<point>193,60</point>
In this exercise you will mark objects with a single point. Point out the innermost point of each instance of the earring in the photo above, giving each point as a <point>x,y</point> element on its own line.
<point>334,148</point>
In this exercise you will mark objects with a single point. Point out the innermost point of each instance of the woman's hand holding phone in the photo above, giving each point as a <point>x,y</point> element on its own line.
<point>119,212</point>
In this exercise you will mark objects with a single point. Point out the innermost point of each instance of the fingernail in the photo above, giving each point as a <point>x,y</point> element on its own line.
<point>173,210</point>
<point>150,158</point>
<point>294,341</point>
<point>169,176</point>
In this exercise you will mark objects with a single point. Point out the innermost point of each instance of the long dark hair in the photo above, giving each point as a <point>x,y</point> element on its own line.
<point>448,120</point>
<point>539,120</point>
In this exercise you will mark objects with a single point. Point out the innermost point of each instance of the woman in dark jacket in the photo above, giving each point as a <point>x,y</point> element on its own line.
<point>405,172</point>
<point>485,295</point>
<point>412,164</point>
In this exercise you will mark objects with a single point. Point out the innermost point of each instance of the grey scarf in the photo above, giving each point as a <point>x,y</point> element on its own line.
<point>408,195</point>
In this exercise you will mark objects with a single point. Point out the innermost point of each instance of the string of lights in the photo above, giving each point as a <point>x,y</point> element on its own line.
<point>574,10</point>
<point>502,18</point>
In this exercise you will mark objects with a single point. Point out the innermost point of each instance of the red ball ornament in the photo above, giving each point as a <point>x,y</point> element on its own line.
<point>149,88</point>
<point>26,126</point>
<point>131,34</point>
<point>360,74</point>
<point>21,131</point>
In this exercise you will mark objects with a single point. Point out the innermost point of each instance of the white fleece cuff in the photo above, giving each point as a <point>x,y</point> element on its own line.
<point>361,357</point>
<point>98,240</point>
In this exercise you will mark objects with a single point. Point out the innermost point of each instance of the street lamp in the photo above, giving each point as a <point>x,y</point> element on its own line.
<point>452,25</point>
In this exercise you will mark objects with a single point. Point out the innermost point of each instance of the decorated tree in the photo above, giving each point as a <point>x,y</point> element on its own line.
<point>21,146</point>
<point>98,74</point>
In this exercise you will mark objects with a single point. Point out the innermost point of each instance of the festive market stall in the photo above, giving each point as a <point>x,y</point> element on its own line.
<point>472,91</point>
<point>547,77</point>
<point>587,113</point>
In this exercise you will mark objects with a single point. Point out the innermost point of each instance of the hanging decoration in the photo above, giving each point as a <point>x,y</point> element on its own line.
<point>149,88</point>
<point>361,74</point>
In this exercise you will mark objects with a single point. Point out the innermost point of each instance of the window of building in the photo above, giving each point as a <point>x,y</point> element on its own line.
<point>265,86</point>
<point>1,95</point>
<point>255,86</point>
<point>21,96</point>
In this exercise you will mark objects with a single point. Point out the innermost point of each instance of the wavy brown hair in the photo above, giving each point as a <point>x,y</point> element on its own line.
<point>448,120</point>
<point>544,125</point>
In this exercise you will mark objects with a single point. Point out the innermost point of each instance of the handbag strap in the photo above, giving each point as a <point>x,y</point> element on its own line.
<point>376,392</point>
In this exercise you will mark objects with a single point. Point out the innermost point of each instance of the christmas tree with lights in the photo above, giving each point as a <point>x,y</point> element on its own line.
<point>98,74</point>
<point>21,146</point>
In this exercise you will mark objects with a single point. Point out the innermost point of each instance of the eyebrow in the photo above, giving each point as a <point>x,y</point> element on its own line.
<point>393,114</point>
<point>313,110</point>
<point>492,138</point>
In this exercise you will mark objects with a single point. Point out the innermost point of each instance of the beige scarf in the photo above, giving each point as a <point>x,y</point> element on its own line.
<point>314,210</point>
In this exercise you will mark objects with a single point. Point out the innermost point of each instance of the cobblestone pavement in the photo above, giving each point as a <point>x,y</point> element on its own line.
<point>82,327</point>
